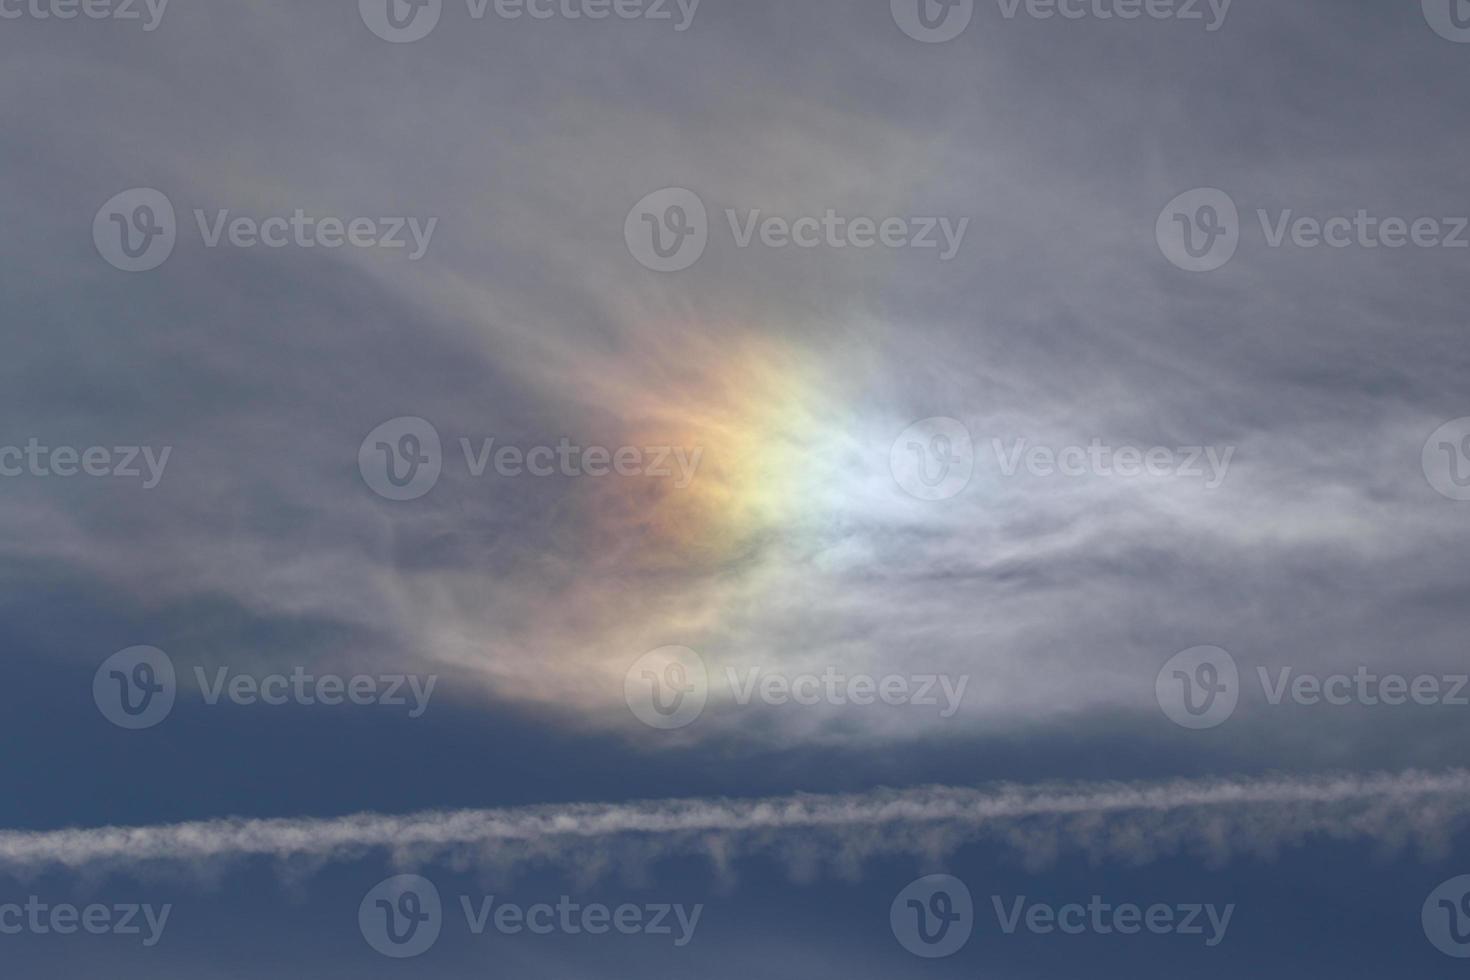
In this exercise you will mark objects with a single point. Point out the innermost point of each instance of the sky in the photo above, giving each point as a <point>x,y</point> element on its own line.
<point>616,488</point>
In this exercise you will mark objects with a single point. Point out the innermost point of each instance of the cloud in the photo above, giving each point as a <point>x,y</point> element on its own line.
<point>1058,323</point>
<point>1216,820</point>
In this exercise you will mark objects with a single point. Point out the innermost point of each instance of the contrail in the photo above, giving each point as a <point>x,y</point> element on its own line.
<point>1215,819</point>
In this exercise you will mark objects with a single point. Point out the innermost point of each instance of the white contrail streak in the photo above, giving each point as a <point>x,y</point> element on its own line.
<point>1137,822</point>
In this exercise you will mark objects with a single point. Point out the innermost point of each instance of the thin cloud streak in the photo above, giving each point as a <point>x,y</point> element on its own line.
<point>1214,819</point>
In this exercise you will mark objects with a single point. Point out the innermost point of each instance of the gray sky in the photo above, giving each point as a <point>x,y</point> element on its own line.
<point>1133,459</point>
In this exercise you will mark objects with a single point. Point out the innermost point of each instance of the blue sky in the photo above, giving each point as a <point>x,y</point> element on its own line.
<point>750,460</point>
